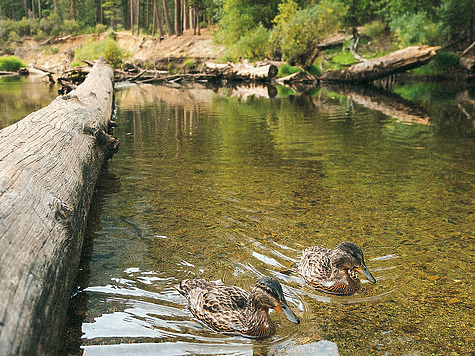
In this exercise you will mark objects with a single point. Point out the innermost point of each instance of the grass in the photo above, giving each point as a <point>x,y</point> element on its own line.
<point>113,54</point>
<point>287,69</point>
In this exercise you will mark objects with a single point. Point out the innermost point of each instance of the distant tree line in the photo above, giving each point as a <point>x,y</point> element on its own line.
<point>54,17</point>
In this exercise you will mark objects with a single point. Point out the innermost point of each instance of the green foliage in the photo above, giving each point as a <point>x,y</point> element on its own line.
<point>238,17</point>
<point>172,68</point>
<point>315,70</point>
<point>189,63</point>
<point>100,28</point>
<point>287,69</point>
<point>375,29</point>
<point>344,58</point>
<point>415,29</point>
<point>440,64</point>
<point>297,32</point>
<point>69,27</point>
<point>113,54</point>
<point>112,11</point>
<point>253,45</point>
<point>11,63</point>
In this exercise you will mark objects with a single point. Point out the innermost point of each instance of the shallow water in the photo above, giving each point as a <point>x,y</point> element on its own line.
<point>19,96</point>
<point>226,186</point>
<point>207,184</point>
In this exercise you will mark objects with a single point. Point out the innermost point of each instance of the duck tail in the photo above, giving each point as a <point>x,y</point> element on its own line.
<point>185,286</point>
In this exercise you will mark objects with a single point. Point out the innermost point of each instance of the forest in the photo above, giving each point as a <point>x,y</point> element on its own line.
<point>286,30</point>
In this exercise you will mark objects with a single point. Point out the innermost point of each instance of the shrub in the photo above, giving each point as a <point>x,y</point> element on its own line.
<point>415,29</point>
<point>100,28</point>
<point>11,63</point>
<point>375,29</point>
<point>113,54</point>
<point>297,32</point>
<point>70,27</point>
<point>254,45</point>
<point>287,69</point>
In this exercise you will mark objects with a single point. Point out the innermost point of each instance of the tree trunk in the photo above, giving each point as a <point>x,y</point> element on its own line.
<point>160,23</point>
<point>33,8</point>
<point>49,164</point>
<point>167,18</point>
<point>131,16</point>
<point>39,9</point>
<point>73,9</point>
<point>138,17</point>
<point>396,62</point>
<point>178,25</point>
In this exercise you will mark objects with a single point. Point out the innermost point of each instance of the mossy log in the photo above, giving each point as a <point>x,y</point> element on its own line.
<point>49,164</point>
<point>376,68</point>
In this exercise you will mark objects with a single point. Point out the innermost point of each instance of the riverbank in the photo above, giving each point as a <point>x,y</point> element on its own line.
<point>57,55</point>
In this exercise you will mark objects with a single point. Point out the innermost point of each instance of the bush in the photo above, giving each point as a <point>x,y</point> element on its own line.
<point>11,63</point>
<point>70,27</point>
<point>297,32</point>
<point>254,45</point>
<point>113,54</point>
<point>374,29</point>
<point>441,63</point>
<point>415,29</point>
<point>287,69</point>
<point>100,28</point>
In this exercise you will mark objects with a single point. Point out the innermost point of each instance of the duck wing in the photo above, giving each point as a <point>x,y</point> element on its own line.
<point>315,266</point>
<point>223,308</point>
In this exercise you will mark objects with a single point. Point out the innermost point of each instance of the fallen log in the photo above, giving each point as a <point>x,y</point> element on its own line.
<point>376,68</point>
<point>242,71</point>
<point>49,163</point>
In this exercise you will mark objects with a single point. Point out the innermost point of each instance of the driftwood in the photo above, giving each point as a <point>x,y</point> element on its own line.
<point>49,163</point>
<point>396,62</point>
<point>8,74</point>
<point>242,71</point>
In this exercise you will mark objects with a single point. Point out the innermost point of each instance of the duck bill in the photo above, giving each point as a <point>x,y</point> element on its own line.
<point>366,273</point>
<point>285,311</point>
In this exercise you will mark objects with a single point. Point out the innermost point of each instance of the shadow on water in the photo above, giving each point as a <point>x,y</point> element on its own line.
<point>230,185</point>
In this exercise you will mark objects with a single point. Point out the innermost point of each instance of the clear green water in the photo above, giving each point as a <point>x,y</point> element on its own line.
<point>215,186</point>
<point>19,96</point>
<point>210,185</point>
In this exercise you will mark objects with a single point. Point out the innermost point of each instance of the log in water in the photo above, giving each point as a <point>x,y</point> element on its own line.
<point>49,163</point>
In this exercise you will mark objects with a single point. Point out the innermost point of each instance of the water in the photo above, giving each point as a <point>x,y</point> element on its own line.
<point>230,188</point>
<point>20,96</point>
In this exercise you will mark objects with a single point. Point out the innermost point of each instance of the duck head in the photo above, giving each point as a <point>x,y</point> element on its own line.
<point>268,294</point>
<point>348,259</point>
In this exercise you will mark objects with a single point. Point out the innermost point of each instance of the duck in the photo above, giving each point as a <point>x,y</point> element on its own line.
<point>232,310</point>
<point>334,271</point>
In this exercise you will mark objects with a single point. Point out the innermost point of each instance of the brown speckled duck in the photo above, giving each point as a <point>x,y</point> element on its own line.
<point>230,309</point>
<point>334,271</point>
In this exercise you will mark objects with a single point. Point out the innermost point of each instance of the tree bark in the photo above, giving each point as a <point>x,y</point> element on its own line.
<point>49,163</point>
<point>178,25</point>
<point>376,68</point>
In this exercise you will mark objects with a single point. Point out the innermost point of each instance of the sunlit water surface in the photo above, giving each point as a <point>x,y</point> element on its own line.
<point>230,188</point>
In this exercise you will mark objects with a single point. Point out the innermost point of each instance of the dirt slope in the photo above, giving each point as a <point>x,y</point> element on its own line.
<point>59,56</point>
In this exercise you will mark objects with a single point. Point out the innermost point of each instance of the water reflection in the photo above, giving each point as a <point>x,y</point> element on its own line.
<point>231,188</point>
<point>20,96</point>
